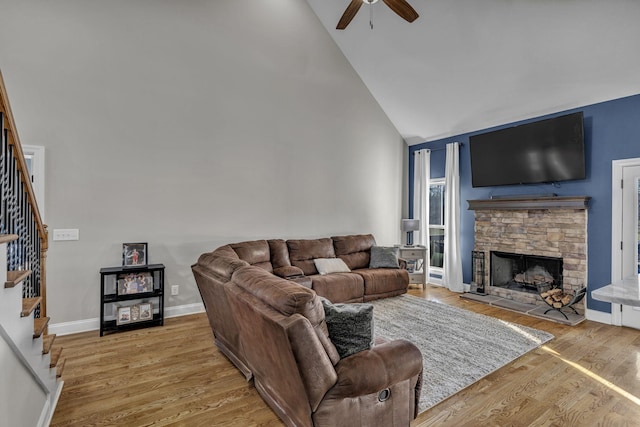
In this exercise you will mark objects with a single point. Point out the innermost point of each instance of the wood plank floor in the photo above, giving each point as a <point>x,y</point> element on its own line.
<point>589,375</point>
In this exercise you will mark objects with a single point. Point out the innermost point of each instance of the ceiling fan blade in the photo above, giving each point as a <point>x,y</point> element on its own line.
<point>403,9</point>
<point>348,14</point>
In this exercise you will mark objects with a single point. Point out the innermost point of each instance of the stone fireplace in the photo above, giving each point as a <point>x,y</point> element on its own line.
<point>544,229</point>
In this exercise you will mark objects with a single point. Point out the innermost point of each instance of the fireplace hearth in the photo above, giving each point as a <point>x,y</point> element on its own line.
<point>524,273</point>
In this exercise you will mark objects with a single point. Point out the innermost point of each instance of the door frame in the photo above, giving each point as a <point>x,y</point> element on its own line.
<point>617,167</point>
<point>37,180</point>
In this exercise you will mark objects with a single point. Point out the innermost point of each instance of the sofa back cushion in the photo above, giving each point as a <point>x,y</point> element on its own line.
<point>254,252</point>
<point>354,250</point>
<point>302,253</point>
<point>288,298</point>
<point>279,253</point>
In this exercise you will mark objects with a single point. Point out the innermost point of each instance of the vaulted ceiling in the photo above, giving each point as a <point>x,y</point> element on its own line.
<point>466,65</point>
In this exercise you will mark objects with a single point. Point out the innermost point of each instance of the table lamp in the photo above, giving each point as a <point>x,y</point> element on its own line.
<point>410,225</point>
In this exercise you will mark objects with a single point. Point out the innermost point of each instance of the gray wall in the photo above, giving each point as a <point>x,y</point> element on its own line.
<point>188,125</point>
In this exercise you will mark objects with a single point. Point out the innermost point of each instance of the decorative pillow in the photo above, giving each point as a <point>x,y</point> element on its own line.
<point>350,326</point>
<point>384,257</point>
<point>330,265</point>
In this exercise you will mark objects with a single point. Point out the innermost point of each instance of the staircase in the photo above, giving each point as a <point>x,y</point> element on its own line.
<point>30,362</point>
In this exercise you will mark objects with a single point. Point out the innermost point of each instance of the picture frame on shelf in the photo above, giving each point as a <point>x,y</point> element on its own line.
<point>124,315</point>
<point>135,283</point>
<point>135,313</point>
<point>134,254</point>
<point>146,311</point>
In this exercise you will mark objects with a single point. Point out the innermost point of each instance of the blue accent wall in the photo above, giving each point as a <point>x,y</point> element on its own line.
<point>612,132</point>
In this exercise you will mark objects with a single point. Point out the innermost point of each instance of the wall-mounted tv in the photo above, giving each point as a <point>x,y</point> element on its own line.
<point>545,151</point>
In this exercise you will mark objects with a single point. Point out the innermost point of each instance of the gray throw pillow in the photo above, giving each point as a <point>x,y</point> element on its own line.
<point>350,326</point>
<point>384,257</point>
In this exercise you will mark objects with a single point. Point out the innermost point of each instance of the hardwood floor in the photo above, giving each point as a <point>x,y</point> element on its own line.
<point>589,375</point>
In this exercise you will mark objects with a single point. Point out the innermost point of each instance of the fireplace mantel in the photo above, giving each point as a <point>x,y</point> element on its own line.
<point>529,203</point>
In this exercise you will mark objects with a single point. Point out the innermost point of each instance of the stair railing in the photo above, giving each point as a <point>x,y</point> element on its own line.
<point>19,213</point>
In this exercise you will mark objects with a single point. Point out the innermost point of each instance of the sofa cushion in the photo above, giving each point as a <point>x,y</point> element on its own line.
<point>254,252</point>
<point>350,326</point>
<point>288,272</point>
<point>354,249</point>
<point>384,257</point>
<point>330,265</point>
<point>279,253</point>
<point>383,282</point>
<point>339,287</point>
<point>302,252</point>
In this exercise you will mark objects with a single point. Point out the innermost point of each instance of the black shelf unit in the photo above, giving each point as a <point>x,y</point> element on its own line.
<point>113,296</point>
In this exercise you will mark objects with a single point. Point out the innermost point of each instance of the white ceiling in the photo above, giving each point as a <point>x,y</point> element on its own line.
<point>466,65</point>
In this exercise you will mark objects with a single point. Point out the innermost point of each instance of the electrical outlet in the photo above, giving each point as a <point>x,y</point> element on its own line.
<point>175,289</point>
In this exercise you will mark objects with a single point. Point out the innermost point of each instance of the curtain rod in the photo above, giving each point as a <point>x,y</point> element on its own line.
<point>438,149</point>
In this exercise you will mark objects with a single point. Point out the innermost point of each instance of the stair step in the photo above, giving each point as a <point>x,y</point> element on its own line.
<point>15,277</point>
<point>47,342</point>
<point>28,305</point>
<point>39,325</point>
<point>6,238</point>
<point>60,368</point>
<point>55,356</point>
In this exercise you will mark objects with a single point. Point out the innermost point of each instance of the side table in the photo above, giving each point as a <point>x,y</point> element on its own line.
<point>416,256</point>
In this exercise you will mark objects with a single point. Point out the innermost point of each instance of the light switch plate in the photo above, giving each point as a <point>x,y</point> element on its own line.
<point>66,234</point>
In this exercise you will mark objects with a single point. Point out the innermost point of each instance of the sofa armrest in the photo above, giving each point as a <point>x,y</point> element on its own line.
<point>373,370</point>
<point>288,271</point>
<point>221,266</point>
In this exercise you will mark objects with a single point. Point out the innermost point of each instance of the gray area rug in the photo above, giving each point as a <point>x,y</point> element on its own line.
<point>458,347</point>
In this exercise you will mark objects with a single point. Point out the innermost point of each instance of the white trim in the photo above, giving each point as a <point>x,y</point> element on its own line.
<point>617,167</point>
<point>86,325</point>
<point>53,399</point>
<point>598,316</point>
<point>184,310</point>
<point>37,165</point>
<point>434,280</point>
<point>44,415</point>
<point>75,327</point>
<point>617,171</point>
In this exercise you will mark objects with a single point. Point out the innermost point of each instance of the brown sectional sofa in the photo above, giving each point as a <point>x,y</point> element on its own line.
<point>262,303</point>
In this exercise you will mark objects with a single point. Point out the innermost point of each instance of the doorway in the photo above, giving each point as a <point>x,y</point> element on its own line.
<point>34,157</point>
<point>626,233</point>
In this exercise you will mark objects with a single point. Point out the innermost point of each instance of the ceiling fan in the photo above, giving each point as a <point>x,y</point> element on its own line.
<point>401,7</point>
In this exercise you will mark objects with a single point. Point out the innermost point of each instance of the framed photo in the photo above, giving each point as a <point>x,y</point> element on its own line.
<point>124,315</point>
<point>146,311</point>
<point>134,254</point>
<point>135,313</point>
<point>135,283</point>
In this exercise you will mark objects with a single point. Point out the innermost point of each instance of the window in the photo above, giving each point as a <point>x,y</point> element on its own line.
<point>436,222</point>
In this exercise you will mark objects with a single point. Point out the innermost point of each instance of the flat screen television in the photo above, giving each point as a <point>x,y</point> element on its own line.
<point>545,151</point>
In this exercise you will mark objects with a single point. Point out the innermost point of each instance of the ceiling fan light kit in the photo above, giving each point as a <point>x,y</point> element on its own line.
<point>400,7</point>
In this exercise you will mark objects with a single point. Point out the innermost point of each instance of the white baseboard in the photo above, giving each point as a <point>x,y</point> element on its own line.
<point>599,316</point>
<point>184,310</point>
<point>74,327</point>
<point>86,325</point>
